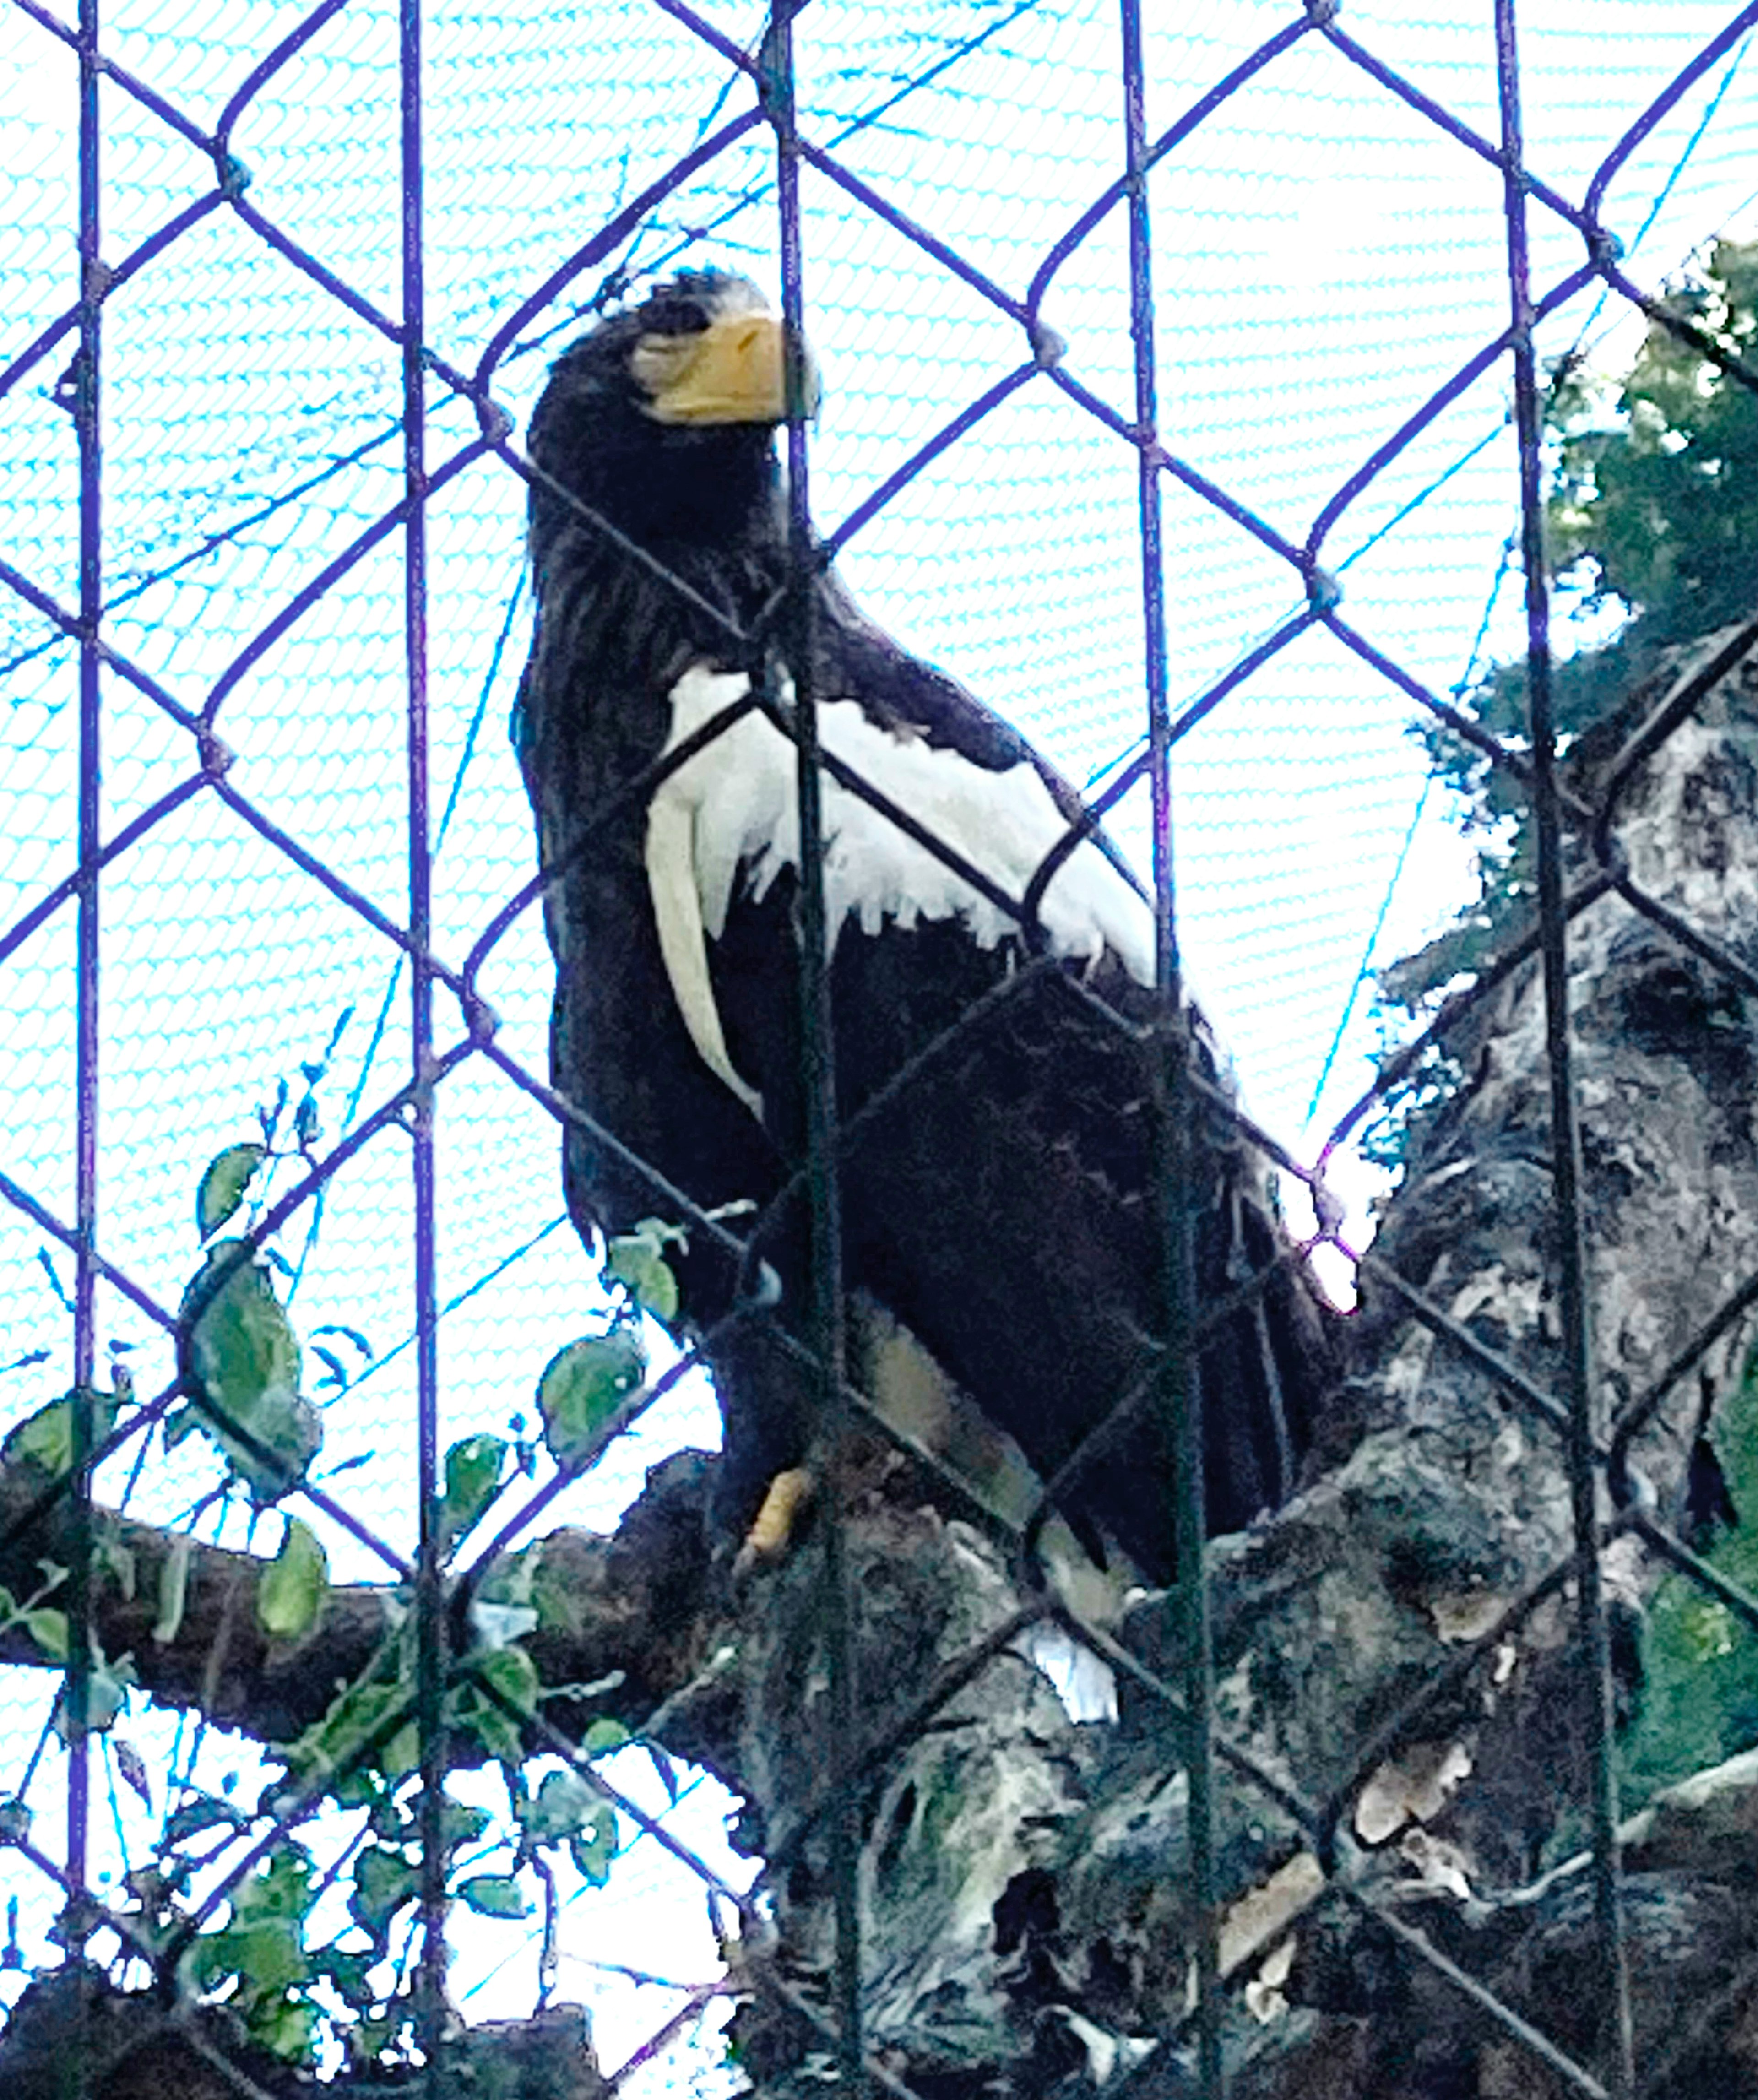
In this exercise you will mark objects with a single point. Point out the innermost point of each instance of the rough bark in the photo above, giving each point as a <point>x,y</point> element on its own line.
<point>1028,1917</point>
<point>1028,1924</point>
<point>635,1607</point>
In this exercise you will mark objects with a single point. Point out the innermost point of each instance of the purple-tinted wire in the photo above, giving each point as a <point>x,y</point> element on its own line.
<point>1572,1269</point>
<point>1443,398</point>
<point>733,54</point>
<point>430,1641</point>
<point>1460,723</point>
<point>68,1236</point>
<point>1681,85</point>
<point>1173,136</point>
<point>1687,936</point>
<point>1452,1010</point>
<point>167,112</point>
<point>1651,734</point>
<point>943,440</point>
<point>1254,658</point>
<point>321,275</point>
<point>1094,808</point>
<point>40,1860</point>
<point>265,70</point>
<point>919,235</point>
<point>1705,345</point>
<point>846,776</point>
<point>1192,477</point>
<point>38,348</point>
<point>153,246</point>
<point>332,571</point>
<point>71,625</point>
<point>1533,185</point>
<point>682,1208</point>
<point>754,192</point>
<point>530,472</point>
<point>388,1114</point>
<point>211,543</point>
<point>357,902</point>
<point>628,1411</point>
<point>131,834</point>
<point>288,1817</point>
<point>637,788</point>
<point>85,401</point>
<point>608,236</point>
<point>1636,1413</point>
<point>108,1273</point>
<point>135,1424</point>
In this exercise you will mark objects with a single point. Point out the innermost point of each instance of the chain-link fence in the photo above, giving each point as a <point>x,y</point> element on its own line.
<point>1140,362</point>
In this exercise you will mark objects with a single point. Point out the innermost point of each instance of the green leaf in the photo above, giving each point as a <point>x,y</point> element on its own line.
<point>239,1352</point>
<point>367,2039</point>
<point>514,1675</point>
<point>45,1440</point>
<point>604,1735</point>
<point>281,1888</point>
<point>494,1895</point>
<point>174,1588</point>
<point>48,1629</point>
<point>120,1560</point>
<point>223,1184</point>
<point>564,1804</point>
<point>594,1848</point>
<point>356,1711</point>
<point>636,1261</point>
<point>351,1974</point>
<point>291,1591</point>
<point>400,1756</point>
<point>269,1956</point>
<point>472,1480</point>
<point>286,2026</point>
<point>581,1389</point>
<point>181,1423</point>
<point>463,1824</point>
<point>205,1812</point>
<point>384,1881</point>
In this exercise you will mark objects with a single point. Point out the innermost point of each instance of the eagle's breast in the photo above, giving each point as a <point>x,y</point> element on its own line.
<point>725,824</point>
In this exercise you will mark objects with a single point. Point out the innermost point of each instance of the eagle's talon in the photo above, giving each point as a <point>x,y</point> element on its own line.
<point>772,1529</point>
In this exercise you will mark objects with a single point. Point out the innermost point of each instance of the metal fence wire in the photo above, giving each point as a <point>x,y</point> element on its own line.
<point>144,725</point>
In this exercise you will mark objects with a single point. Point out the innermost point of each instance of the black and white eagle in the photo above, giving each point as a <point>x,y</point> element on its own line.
<point>999,1209</point>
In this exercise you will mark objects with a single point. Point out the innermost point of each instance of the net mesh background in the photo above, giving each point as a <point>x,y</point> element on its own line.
<point>1325,257</point>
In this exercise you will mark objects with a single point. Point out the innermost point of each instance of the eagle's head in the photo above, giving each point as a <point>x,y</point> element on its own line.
<point>662,418</point>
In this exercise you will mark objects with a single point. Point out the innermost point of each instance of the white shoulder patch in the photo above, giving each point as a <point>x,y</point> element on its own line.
<point>736,803</point>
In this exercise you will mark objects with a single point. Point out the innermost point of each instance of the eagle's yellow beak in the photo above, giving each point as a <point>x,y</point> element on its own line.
<point>733,371</point>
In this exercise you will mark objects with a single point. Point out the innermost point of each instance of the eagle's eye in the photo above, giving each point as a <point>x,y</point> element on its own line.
<point>675,317</point>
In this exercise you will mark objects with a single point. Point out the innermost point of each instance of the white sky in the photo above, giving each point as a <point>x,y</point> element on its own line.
<point>1324,258</point>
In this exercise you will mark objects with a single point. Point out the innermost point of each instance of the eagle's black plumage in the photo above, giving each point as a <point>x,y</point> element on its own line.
<point>1002,1207</point>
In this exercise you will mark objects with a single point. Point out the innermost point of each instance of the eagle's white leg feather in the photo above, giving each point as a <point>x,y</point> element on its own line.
<point>677,915</point>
